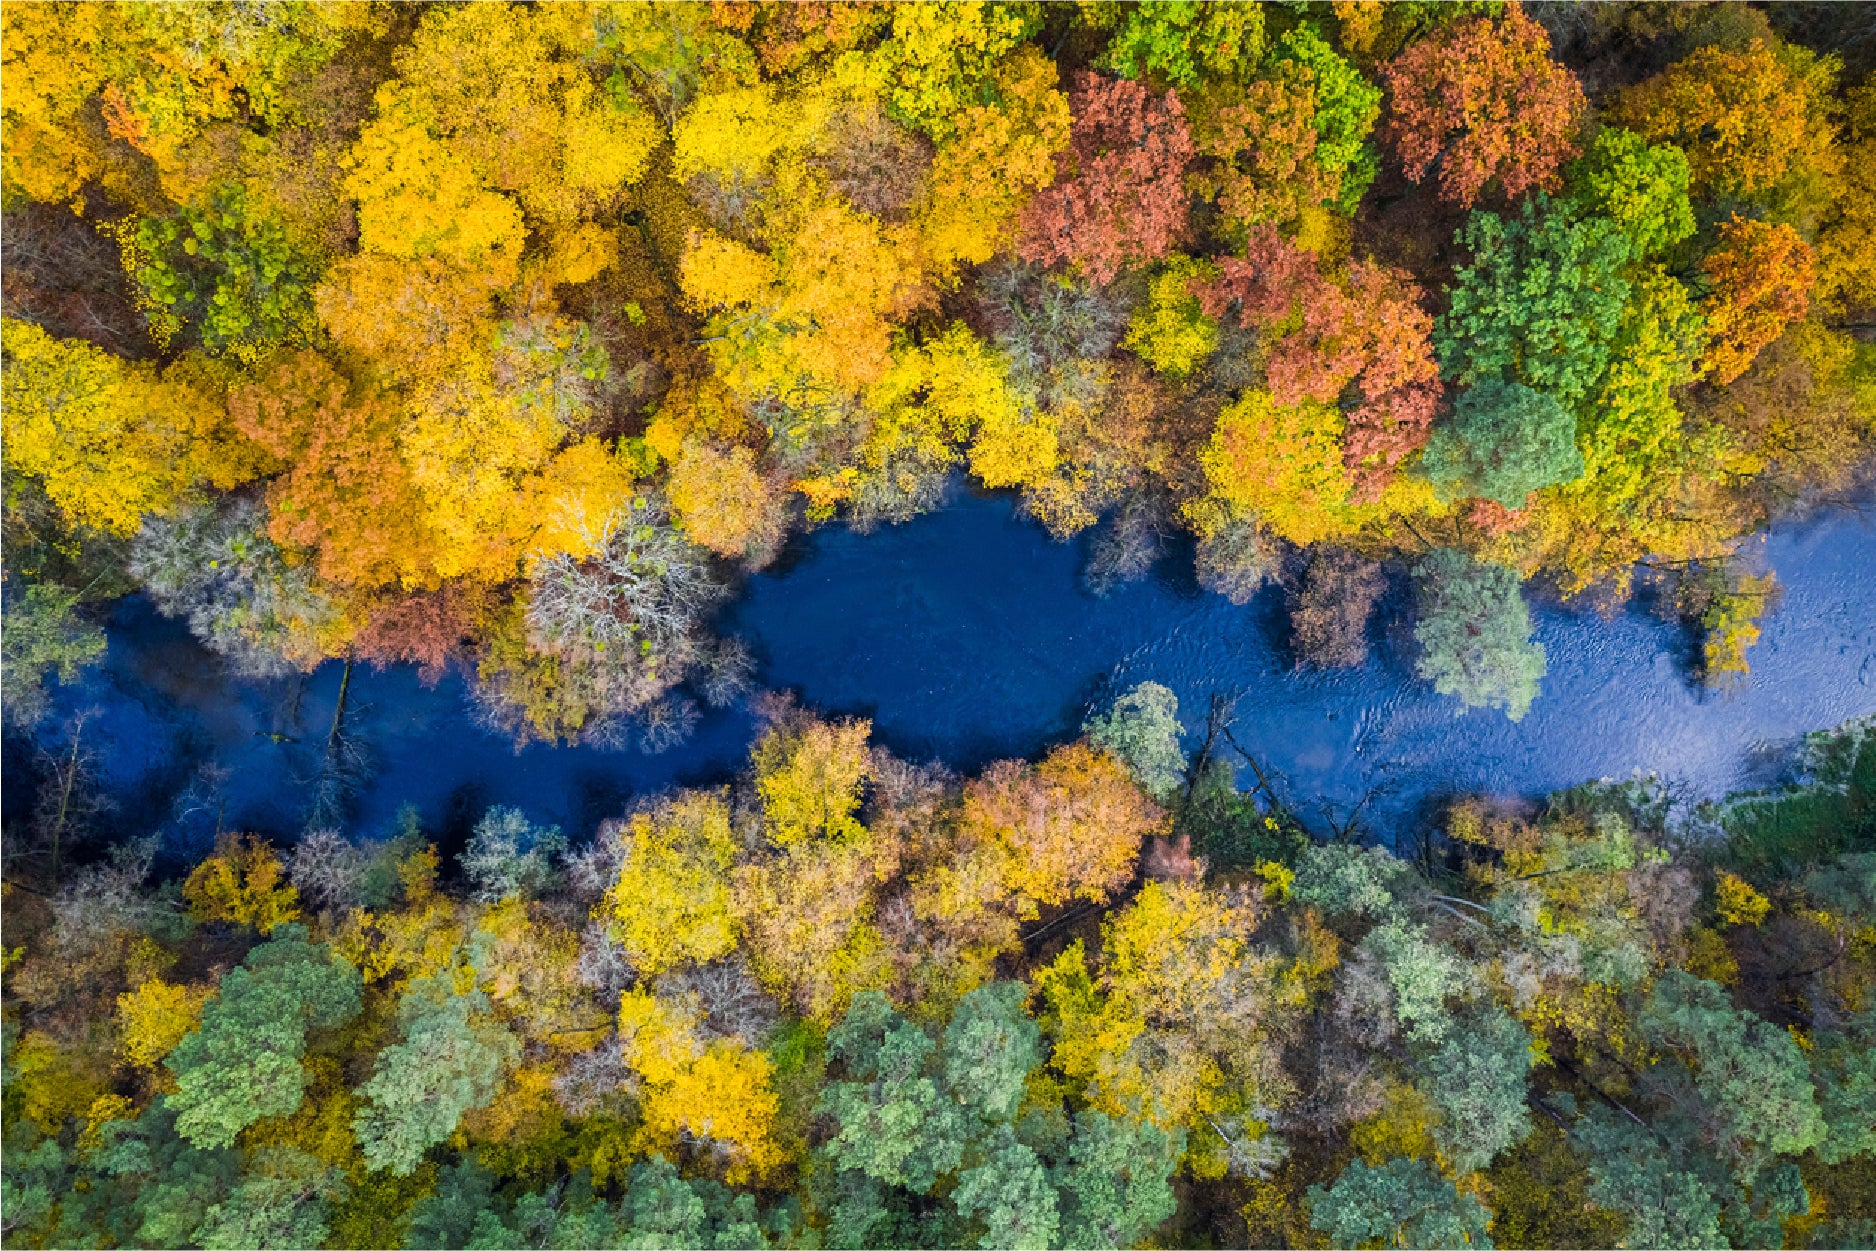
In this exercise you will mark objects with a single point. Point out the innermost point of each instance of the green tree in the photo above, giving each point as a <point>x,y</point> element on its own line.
<point>450,1059</point>
<point>1475,633</point>
<point>1631,1173</point>
<point>1116,1184</point>
<point>1503,442</point>
<point>990,1046</point>
<point>223,273</point>
<point>1347,106</point>
<point>1342,880</point>
<point>1143,730</point>
<point>1639,186</point>
<point>1540,302</point>
<point>1182,43</point>
<point>283,1201</point>
<point>43,635</point>
<point>1750,1076</point>
<point>1403,1203</point>
<point>1008,1192</point>
<point>1477,1081</point>
<point>896,1121</point>
<point>244,1062</point>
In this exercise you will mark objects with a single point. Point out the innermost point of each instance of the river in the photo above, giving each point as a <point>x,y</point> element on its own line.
<point>967,636</point>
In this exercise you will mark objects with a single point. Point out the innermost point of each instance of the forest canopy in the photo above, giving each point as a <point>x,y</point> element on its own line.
<point>507,337</point>
<point>505,340</point>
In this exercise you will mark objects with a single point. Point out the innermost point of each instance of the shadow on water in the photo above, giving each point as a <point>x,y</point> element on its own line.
<point>967,635</point>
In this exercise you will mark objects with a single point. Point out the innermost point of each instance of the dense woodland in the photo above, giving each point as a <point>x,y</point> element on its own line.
<point>1101,1000</point>
<point>505,339</point>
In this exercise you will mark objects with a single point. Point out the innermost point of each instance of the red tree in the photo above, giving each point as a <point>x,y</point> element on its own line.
<point>426,630</point>
<point>1124,197</point>
<point>1370,331</point>
<point>1482,101</point>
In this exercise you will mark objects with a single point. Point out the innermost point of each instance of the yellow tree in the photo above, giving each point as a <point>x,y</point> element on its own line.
<point>113,440</point>
<point>672,900</point>
<point>1072,825</point>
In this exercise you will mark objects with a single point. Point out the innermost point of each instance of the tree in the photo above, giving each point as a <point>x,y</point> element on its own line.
<point>111,440</point>
<point>1477,1079</point>
<point>722,502</point>
<point>1346,107</point>
<point>989,1049</point>
<point>810,775</point>
<point>939,55</point>
<point>1475,633</point>
<point>1631,1172</point>
<point>1746,118</point>
<point>1329,611</point>
<point>1403,1203</point>
<point>244,1062</point>
<point>1750,1075</point>
<point>284,1200</point>
<point>1170,330</point>
<point>1123,199</point>
<point>1540,302</point>
<point>450,1058</point>
<point>1846,243</point>
<point>509,857</point>
<point>1480,103</point>
<point>1116,1186</point>
<point>225,273</point>
<point>1639,186</point>
<point>671,902</point>
<point>345,493</point>
<point>241,884</point>
<point>1185,42</point>
<point>1009,1194</point>
<point>896,1123</point>
<point>1281,464</point>
<point>44,635</point>
<point>156,1016</point>
<point>1142,730</point>
<point>1072,825</point>
<point>1504,442</point>
<point>1759,279</point>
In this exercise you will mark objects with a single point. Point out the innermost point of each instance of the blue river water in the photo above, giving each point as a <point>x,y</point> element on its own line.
<point>966,635</point>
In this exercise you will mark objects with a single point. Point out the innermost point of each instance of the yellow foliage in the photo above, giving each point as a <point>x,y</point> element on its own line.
<point>242,884</point>
<point>1000,153</point>
<point>49,57</point>
<point>419,196</point>
<point>582,254</point>
<point>1403,1127</point>
<point>1708,956</point>
<point>722,502</point>
<point>672,900</point>
<point>721,1092</point>
<point>54,1083</point>
<point>1738,902</point>
<point>806,915</point>
<point>153,1018</point>
<point>112,440</point>
<point>809,776</point>
<point>581,490</point>
<point>1283,463</point>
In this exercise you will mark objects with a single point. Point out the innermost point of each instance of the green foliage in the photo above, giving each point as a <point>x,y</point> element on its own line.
<point>1403,1203</point>
<point>1504,441</point>
<point>940,58</point>
<point>1183,42</point>
<point>1640,187</point>
<point>1749,1074</point>
<point>1631,1173</point>
<point>282,1201</point>
<point>1347,106</point>
<point>1009,1194</point>
<point>898,1124</point>
<point>1343,879</point>
<point>990,1046</point>
<point>1477,1079</point>
<point>227,272</point>
<point>244,1062</point>
<point>1423,974</point>
<point>1540,301</point>
<point>1142,728</point>
<point>509,856</point>
<point>1117,1183</point>
<point>450,1059</point>
<point>44,634</point>
<point>1475,633</point>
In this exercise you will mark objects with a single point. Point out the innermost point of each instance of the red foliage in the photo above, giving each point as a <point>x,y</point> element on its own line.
<point>1760,277</point>
<point>426,629</point>
<point>1482,101</point>
<point>1126,198</point>
<point>345,493</point>
<point>1494,518</point>
<point>1370,331</point>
